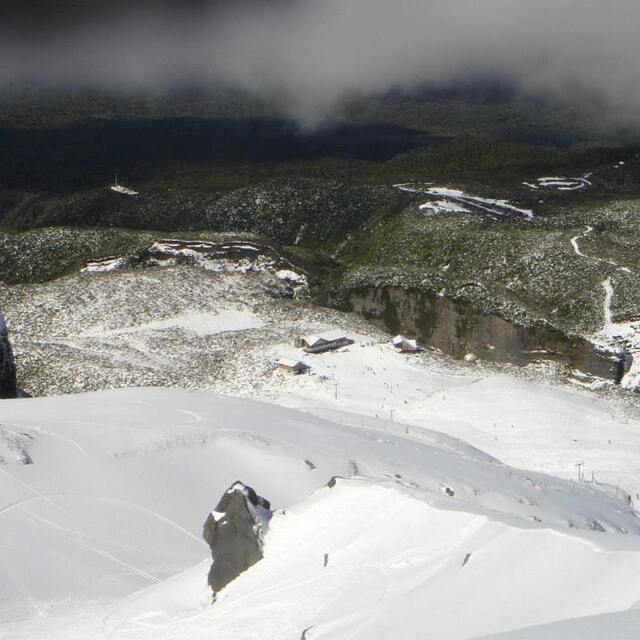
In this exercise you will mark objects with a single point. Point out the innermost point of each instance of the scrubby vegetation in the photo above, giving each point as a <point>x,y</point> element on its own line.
<point>327,198</point>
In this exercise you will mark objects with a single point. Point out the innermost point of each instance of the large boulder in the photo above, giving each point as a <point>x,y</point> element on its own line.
<point>8,385</point>
<point>234,531</point>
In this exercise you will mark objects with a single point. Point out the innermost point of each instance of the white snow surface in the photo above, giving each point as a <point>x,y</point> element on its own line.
<point>103,496</point>
<point>560,183</point>
<point>104,266</point>
<point>125,191</point>
<point>443,206</point>
<point>425,536</point>
<point>622,625</point>
<point>525,424</point>
<point>620,335</point>
<point>202,324</point>
<point>457,201</point>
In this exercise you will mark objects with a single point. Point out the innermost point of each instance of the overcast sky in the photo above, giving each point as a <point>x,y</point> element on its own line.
<point>310,55</point>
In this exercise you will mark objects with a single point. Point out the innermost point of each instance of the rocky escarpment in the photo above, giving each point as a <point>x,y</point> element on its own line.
<point>286,279</point>
<point>8,385</point>
<point>234,532</point>
<point>463,331</point>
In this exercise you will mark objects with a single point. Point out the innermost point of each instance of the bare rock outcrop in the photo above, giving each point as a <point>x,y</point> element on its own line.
<point>8,385</point>
<point>234,531</point>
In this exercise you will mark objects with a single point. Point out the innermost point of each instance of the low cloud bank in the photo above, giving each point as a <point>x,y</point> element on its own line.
<point>308,56</point>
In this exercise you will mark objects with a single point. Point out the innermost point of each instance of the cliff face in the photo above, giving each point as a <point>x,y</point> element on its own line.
<point>8,386</point>
<point>458,329</point>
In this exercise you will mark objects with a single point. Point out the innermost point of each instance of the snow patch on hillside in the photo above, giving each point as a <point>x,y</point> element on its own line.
<point>202,324</point>
<point>620,337</point>
<point>560,183</point>
<point>104,266</point>
<point>463,202</point>
<point>443,206</point>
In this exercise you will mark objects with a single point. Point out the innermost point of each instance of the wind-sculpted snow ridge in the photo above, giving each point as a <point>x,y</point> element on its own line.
<point>416,535</point>
<point>457,201</point>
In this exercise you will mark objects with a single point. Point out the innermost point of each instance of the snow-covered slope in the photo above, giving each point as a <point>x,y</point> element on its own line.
<point>196,329</point>
<point>104,495</point>
<point>622,625</point>
<point>536,425</point>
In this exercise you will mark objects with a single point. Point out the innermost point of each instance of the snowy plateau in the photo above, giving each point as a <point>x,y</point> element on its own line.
<point>470,501</point>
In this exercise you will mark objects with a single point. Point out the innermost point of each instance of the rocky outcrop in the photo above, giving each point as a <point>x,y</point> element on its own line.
<point>462,331</point>
<point>234,531</point>
<point>8,386</point>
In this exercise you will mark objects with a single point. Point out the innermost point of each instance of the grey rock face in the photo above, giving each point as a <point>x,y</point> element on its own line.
<point>234,532</point>
<point>8,387</point>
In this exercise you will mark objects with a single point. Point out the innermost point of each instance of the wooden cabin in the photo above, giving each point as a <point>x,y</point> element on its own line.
<point>309,342</point>
<point>320,344</point>
<point>292,367</point>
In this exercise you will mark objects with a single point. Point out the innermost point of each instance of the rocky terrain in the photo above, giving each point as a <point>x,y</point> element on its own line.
<point>195,324</point>
<point>8,385</point>
<point>500,245</point>
<point>556,272</point>
<point>235,532</point>
<point>555,280</point>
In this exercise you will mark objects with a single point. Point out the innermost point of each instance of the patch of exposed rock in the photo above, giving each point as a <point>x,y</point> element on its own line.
<point>222,257</point>
<point>234,531</point>
<point>8,385</point>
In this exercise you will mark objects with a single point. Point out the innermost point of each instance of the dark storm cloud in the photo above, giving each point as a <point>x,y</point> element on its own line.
<point>309,55</point>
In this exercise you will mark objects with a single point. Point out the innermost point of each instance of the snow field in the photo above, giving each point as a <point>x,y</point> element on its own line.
<point>105,524</point>
<point>457,201</point>
<point>523,423</point>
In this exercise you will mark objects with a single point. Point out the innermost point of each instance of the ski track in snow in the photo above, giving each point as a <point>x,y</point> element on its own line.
<point>70,441</point>
<point>155,514</point>
<point>36,493</point>
<point>82,540</point>
<point>127,503</point>
<point>192,414</point>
